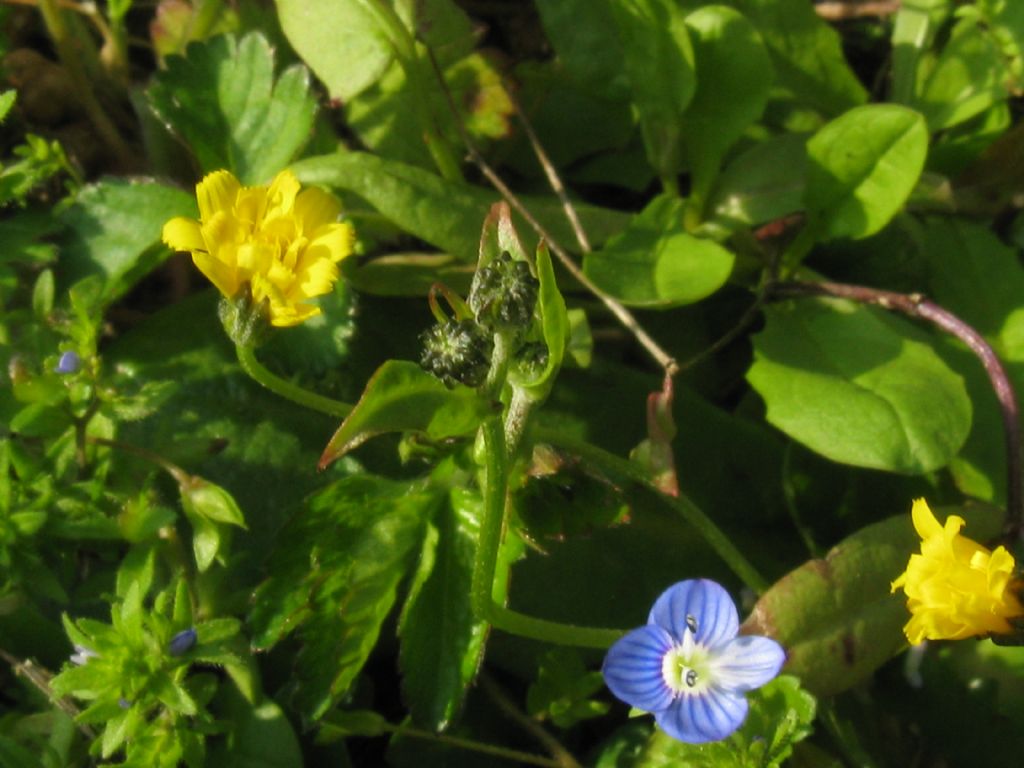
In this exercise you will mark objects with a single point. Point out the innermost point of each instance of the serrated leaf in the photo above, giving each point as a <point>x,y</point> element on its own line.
<point>445,214</point>
<point>836,616</point>
<point>222,99</point>
<point>654,263</point>
<point>442,644</point>
<point>862,167</point>
<point>113,232</point>
<point>780,715</point>
<point>334,578</point>
<point>402,397</point>
<point>859,386</point>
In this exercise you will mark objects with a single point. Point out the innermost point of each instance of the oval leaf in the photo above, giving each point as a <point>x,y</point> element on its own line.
<point>855,385</point>
<point>836,616</point>
<point>862,167</point>
<point>402,397</point>
<point>655,264</point>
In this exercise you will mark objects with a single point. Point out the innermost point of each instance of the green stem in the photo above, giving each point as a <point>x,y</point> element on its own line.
<point>495,489</point>
<point>555,632</point>
<point>485,564</point>
<point>404,45</point>
<point>295,393</point>
<point>514,755</point>
<point>689,511</point>
<point>67,52</point>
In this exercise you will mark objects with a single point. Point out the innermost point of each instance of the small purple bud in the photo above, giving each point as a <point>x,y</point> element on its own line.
<point>69,362</point>
<point>182,642</point>
<point>123,703</point>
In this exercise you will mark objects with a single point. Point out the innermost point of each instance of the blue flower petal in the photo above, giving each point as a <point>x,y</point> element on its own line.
<point>710,716</point>
<point>632,668</point>
<point>707,602</point>
<point>747,662</point>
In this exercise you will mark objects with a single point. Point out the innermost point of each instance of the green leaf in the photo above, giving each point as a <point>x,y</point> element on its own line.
<point>223,101</point>
<point>973,274</point>
<point>968,78</point>
<point>806,53</point>
<point>585,37</point>
<point>862,167</point>
<point>562,690</point>
<point>442,643</point>
<point>206,539</point>
<point>259,736</point>
<point>780,715</point>
<point>913,32</point>
<point>734,76</point>
<point>114,232</point>
<point>554,322</point>
<point>334,578</point>
<point>762,184</point>
<point>654,263</point>
<point>402,397</point>
<point>445,214</point>
<point>340,40</point>
<point>836,616</point>
<point>7,99</point>
<point>341,724</point>
<point>859,386</point>
<point>658,60</point>
<point>42,294</point>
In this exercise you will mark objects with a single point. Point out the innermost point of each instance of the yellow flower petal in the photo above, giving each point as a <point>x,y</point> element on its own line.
<point>216,192</point>
<point>183,234</point>
<point>955,588</point>
<point>279,241</point>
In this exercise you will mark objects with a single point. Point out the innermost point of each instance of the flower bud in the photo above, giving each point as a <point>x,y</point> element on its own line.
<point>457,352</point>
<point>69,362</point>
<point>182,642</point>
<point>504,294</point>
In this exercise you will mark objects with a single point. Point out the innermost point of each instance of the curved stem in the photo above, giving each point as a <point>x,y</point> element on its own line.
<point>555,632</point>
<point>917,306</point>
<point>512,755</point>
<point>689,511</point>
<point>295,393</point>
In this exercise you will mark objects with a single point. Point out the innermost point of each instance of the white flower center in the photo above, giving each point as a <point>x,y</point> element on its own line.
<point>687,667</point>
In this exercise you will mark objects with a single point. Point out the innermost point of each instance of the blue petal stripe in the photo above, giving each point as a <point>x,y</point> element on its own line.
<point>705,600</point>
<point>747,662</point>
<point>632,668</point>
<point>711,716</point>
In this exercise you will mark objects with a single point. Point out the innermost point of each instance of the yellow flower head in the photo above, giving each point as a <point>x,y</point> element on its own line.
<point>955,588</point>
<point>282,243</point>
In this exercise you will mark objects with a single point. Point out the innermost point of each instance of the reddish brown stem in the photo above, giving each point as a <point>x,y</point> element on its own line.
<point>917,306</point>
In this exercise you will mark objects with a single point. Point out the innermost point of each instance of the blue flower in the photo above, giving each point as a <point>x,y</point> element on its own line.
<point>688,667</point>
<point>69,362</point>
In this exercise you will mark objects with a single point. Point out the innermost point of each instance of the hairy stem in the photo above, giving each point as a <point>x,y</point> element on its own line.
<point>917,306</point>
<point>554,747</point>
<point>286,389</point>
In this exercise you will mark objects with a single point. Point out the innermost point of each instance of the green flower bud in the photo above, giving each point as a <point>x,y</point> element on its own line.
<point>457,352</point>
<point>504,294</point>
<point>245,322</point>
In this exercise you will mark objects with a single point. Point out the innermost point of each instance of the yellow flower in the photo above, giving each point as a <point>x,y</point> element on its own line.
<point>281,243</point>
<point>955,588</point>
